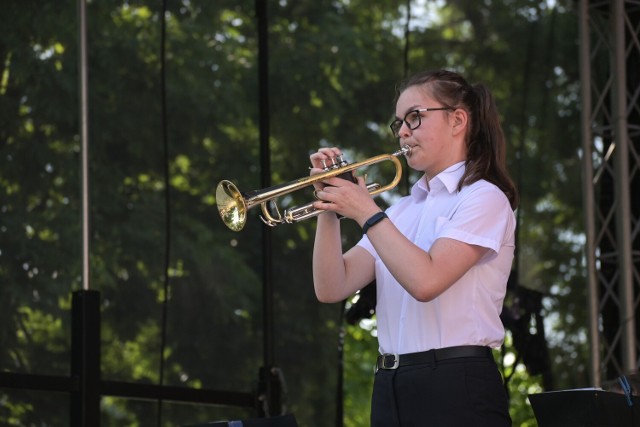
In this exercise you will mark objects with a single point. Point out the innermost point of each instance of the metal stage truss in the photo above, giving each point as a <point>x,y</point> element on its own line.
<point>610,123</point>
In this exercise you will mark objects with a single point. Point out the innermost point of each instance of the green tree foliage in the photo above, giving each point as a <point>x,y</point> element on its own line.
<point>155,232</point>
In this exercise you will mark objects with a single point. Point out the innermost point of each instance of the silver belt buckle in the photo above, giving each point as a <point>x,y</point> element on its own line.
<point>381,363</point>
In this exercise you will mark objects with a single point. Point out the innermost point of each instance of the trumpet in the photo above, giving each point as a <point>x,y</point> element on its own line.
<point>233,204</point>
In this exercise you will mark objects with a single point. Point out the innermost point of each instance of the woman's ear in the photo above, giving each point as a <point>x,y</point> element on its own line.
<point>459,121</point>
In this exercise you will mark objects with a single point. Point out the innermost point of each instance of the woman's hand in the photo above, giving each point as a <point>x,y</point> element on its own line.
<point>351,200</point>
<point>321,159</point>
<point>342,196</point>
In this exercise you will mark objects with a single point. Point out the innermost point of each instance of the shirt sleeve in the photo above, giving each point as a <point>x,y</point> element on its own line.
<point>483,217</point>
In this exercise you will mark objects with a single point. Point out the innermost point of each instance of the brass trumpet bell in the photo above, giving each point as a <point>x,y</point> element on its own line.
<point>231,205</point>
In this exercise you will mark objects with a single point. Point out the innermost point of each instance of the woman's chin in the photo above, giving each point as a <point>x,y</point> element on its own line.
<point>414,160</point>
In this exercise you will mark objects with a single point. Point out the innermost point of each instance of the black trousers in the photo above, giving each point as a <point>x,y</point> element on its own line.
<point>459,392</point>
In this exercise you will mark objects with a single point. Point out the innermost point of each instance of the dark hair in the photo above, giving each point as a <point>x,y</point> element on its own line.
<point>485,141</point>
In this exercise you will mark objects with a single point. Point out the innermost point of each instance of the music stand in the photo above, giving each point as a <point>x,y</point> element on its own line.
<point>585,408</point>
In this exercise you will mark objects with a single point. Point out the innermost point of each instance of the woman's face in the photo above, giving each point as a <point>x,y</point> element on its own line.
<point>435,144</point>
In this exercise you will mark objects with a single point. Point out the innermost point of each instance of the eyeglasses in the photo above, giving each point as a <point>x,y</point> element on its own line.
<point>412,119</point>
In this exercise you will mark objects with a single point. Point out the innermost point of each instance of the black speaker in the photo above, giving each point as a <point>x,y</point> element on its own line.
<point>281,421</point>
<point>585,408</point>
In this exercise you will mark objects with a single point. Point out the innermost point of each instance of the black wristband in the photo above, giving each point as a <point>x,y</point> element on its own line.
<point>376,218</point>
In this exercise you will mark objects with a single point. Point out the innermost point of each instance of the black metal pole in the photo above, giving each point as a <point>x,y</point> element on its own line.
<point>85,358</point>
<point>269,374</point>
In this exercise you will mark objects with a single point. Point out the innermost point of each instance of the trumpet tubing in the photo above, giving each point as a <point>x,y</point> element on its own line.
<point>233,204</point>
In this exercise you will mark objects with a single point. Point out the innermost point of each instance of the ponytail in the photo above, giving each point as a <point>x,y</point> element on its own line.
<point>486,145</point>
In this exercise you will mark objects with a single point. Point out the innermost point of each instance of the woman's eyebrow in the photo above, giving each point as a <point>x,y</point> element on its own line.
<point>408,110</point>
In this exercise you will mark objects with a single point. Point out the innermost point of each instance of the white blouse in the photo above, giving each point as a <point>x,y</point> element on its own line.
<point>468,313</point>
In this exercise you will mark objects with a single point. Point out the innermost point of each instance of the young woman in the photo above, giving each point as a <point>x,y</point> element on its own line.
<point>440,258</point>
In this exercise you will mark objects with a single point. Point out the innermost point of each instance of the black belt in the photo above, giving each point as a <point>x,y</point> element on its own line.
<point>394,361</point>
